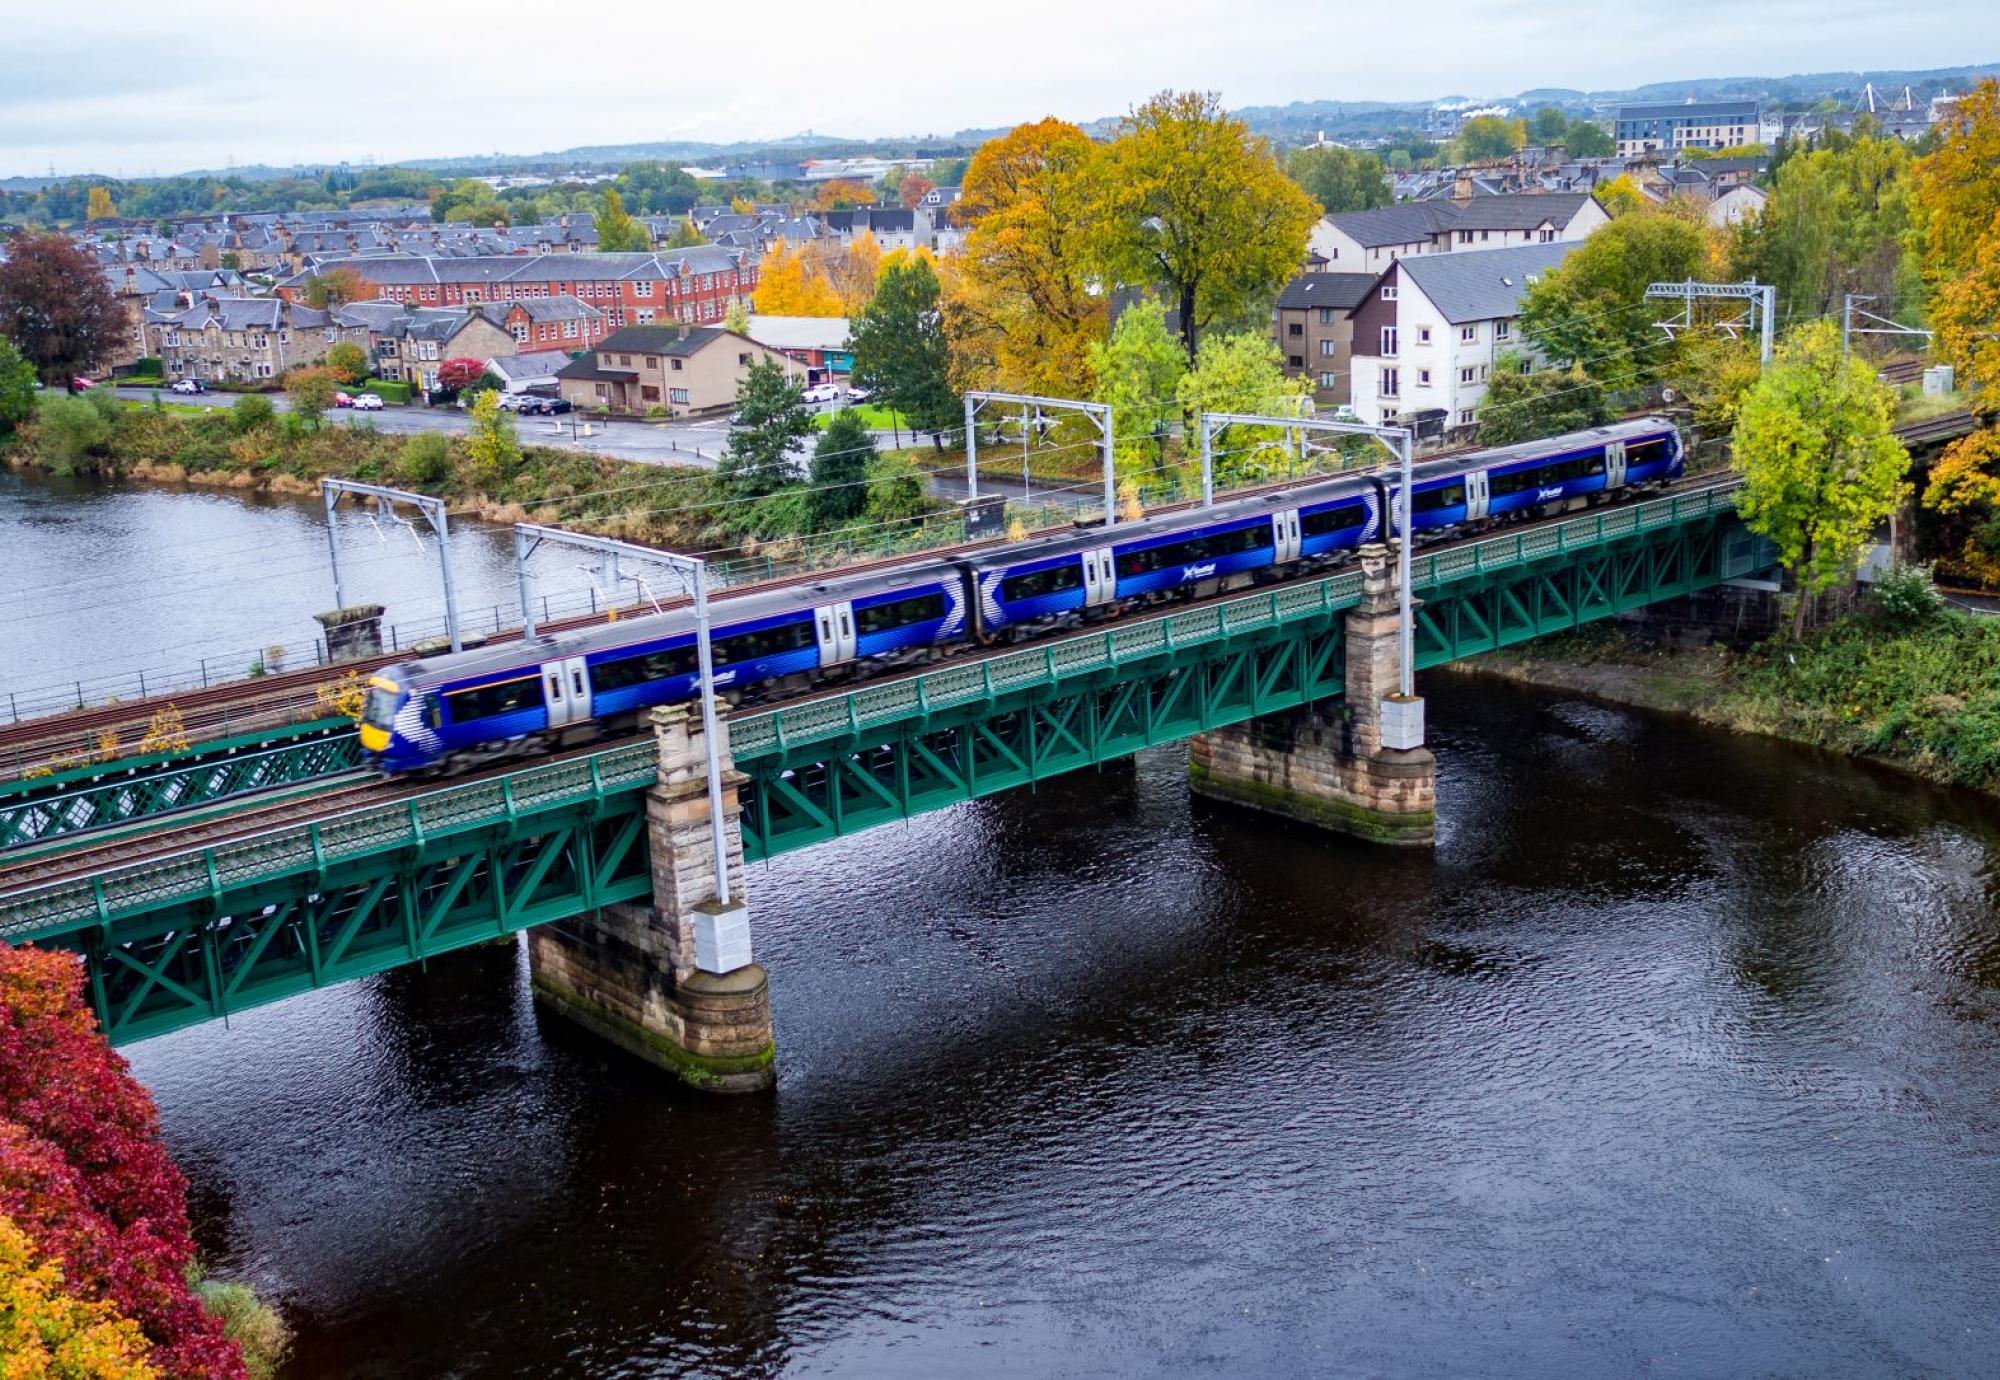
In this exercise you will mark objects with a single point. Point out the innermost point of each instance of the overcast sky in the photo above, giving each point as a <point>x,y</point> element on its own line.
<point>134,90</point>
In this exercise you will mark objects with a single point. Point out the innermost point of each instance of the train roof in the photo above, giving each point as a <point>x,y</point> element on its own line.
<point>723,609</point>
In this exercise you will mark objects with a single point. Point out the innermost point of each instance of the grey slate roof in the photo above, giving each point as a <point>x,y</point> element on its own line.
<point>1343,290</point>
<point>1408,222</point>
<point>1522,212</point>
<point>657,340</point>
<point>1481,284</point>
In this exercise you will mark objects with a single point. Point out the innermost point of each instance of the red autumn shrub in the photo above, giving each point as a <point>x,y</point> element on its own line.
<point>83,1171</point>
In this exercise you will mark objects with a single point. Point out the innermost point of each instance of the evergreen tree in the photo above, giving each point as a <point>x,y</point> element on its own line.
<point>840,469</point>
<point>900,350</point>
<point>771,418</point>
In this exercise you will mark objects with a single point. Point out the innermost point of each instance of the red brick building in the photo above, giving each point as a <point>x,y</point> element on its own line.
<point>691,286</point>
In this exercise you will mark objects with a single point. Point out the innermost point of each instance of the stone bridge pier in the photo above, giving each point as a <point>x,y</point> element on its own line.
<point>672,982</point>
<point>1338,766</point>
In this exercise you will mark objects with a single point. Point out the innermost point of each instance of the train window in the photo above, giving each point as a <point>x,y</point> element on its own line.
<point>380,710</point>
<point>1195,549</point>
<point>1645,453</point>
<point>1332,520</point>
<point>1449,496</point>
<point>1551,472</point>
<point>1037,583</point>
<point>491,701</point>
<point>900,613</point>
<point>751,646</point>
<point>637,670</point>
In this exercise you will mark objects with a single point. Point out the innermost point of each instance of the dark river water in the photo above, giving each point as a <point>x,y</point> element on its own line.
<point>1680,1057</point>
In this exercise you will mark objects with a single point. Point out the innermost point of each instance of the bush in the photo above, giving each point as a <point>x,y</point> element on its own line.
<point>388,390</point>
<point>44,1331</point>
<point>425,459</point>
<point>69,431</point>
<point>150,366</point>
<point>249,412</point>
<point>1904,596</point>
<point>251,1323</point>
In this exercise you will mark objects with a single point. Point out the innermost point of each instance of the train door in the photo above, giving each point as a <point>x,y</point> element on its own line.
<point>833,626</point>
<point>566,691</point>
<point>1285,536</point>
<point>1614,464</point>
<point>1100,577</point>
<point>1476,495</point>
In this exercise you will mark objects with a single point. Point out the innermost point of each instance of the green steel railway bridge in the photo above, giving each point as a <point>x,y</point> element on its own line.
<point>269,863</point>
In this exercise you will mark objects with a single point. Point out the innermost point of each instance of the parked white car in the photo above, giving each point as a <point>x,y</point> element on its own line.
<point>822,392</point>
<point>367,402</point>
<point>184,386</point>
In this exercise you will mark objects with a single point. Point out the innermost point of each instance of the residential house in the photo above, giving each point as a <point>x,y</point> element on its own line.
<point>1315,330</point>
<point>533,370</point>
<point>1740,201</point>
<point>1694,124</point>
<point>549,323</point>
<point>1428,330</point>
<point>634,289</point>
<point>244,339</point>
<point>670,368</point>
<point>1368,241</point>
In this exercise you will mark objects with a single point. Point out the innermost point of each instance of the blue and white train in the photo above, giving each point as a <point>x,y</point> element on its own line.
<point>455,711</point>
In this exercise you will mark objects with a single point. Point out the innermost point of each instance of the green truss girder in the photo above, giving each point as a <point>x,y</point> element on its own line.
<point>32,819</point>
<point>188,937</point>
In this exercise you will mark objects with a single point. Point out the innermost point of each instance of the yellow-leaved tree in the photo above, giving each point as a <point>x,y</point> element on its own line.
<point>99,206</point>
<point>1821,467</point>
<point>1188,201</point>
<point>787,286</point>
<point>46,1332</point>
<point>1023,304</point>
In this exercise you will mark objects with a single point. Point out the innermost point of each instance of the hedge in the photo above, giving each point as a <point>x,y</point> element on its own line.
<point>387,390</point>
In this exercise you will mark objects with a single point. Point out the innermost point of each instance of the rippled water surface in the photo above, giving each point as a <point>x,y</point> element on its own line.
<point>1678,1058</point>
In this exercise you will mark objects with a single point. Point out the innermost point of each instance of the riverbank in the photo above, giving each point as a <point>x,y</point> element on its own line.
<point>1922,695</point>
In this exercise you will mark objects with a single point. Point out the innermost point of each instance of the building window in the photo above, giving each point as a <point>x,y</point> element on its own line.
<point>652,361</point>
<point>1465,237</point>
<point>1326,316</point>
<point>648,393</point>
<point>1465,376</point>
<point>1326,380</point>
<point>1295,361</point>
<point>679,395</point>
<point>1326,349</point>
<point>1503,330</point>
<point>1548,236</point>
<point>1388,292</point>
<point>1423,378</point>
<point>1391,384</point>
<point>624,361</point>
<point>1468,334</point>
<point>677,368</point>
<point>1464,417</point>
<point>1388,340</point>
<point>1296,328</point>
<point>1423,335</point>
<point>744,360</point>
<point>521,335</point>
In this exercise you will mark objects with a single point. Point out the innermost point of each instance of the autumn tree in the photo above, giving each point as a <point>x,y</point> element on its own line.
<point>850,272</point>
<point>1528,405</point>
<point>1591,309</point>
<point>1025,307</point>
<point>617,231</point>
<point>1821,466</point>
<point>459,373</point>
<point>57,309</point>
<point>348,361</point>
<point>311,392</point>
<point>912,190</point>
<point>46,1331</point>
<point>100,207</point>
<point>787,285</point>
<point>1484,138</point>
<point>335,287</point>
<point>492,448</point>
<point>686,235</point>
<point>1621,196</point>
<point>1957,192</point>
<point>900,350</point>
<point>771,419</point>
<point>1339,179</point>
<point>1191,203</point>
<point>840,194</point>
<point>1139,373</point>
<point>1836,222</point>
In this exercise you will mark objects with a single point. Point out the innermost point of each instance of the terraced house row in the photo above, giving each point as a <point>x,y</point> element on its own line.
<point>688,286</point>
